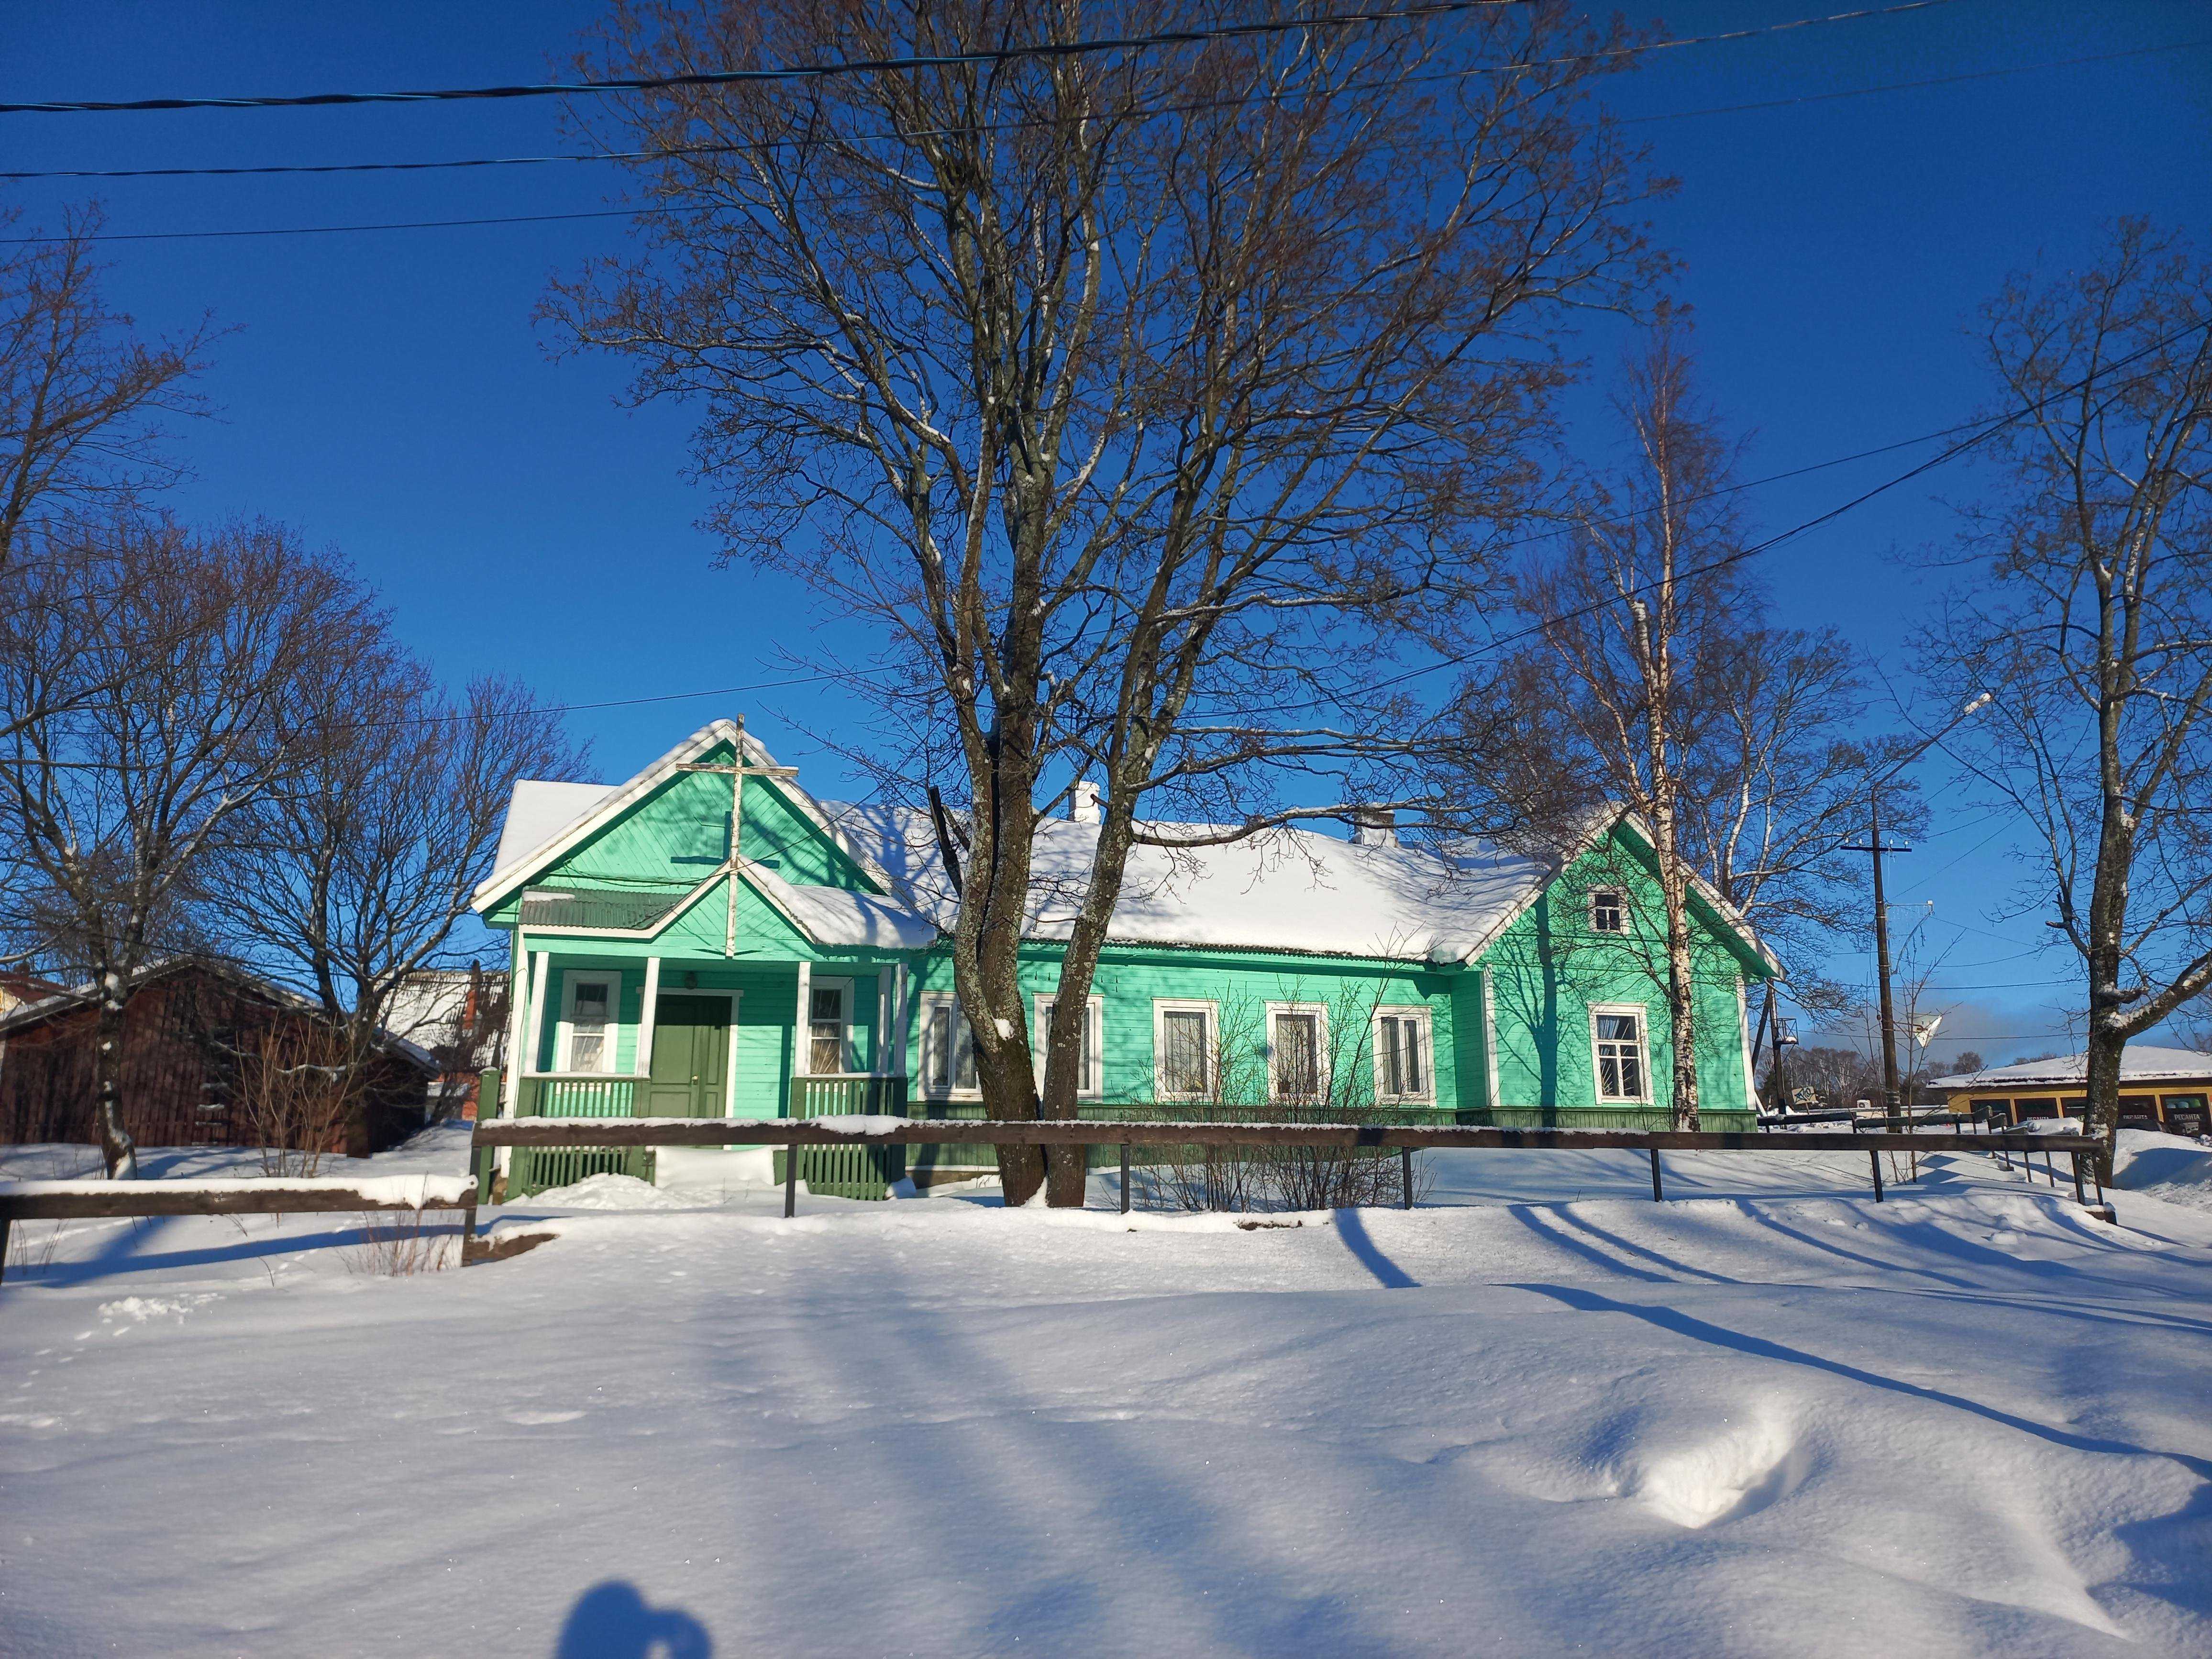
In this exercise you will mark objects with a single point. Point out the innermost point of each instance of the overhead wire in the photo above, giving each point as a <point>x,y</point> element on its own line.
<point>1984,429</point>
<point>492,221</point>
<point>676,151</point>
<point>1422,12</point>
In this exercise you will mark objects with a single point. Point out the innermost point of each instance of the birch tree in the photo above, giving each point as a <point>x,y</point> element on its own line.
<point>2090,618</point>
<point>1118,395</point>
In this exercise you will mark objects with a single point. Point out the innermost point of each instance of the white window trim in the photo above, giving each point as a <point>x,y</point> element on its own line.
<point>1643,1041</point>
<point>1320,1012</point>
<point>1163,1006</point>
<point>1412,1011</point>
<point>1619,896</point>
<point>848,1052</point>
<point>1093,1082</point>
<point>924,1003</point>
<point>564,1032</point>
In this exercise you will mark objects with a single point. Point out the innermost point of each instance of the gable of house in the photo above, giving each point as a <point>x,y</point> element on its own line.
<point>1553,971</point>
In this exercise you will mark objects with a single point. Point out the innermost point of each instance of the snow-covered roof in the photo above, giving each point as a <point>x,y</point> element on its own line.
<point>2139,1063</point>
<point>1286,889</point>
<point>839,915</point>
<point>540,809</point>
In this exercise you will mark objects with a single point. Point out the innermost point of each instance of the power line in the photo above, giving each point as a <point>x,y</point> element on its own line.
<point>1988,429</point>
<point>1906,86</point>
<point>796,71</point>
<point>493,220</point>
<point>676,151</point>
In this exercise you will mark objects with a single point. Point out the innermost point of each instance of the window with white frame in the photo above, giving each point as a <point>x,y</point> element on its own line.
<point>1617,1041</point>
<point>830,1046</point>
<point>587,1023</point>
<point>948,1048</point>
<point>1090,1079</point>
<point>1402,1051</point>
<point>1182,1041</point>
<point>1608,911</point>
<point>1298,1051</point>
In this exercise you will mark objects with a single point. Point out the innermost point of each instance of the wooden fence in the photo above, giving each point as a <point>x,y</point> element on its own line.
<point>29,1201</point>
<point>70,1201</point>
<point>1405,1140</point>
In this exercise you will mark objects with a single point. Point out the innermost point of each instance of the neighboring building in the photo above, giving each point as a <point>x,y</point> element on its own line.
<point>186,1031</point>
<point>458,1015</point>
<point>2160,1089</point>
<point>666,966</point>
<point>17,988</point>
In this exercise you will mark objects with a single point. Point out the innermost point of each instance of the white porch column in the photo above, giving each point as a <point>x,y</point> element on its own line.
<point>1743,1029</point>
<point>641,1064</point>
<point>535,1031</point>
<point>802,1052</point>
<point>902,1019</point>
<point>518,1001</point>
<point>1490,1038</point>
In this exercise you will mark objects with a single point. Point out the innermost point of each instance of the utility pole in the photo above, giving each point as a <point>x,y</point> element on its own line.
<point>1873,846</point>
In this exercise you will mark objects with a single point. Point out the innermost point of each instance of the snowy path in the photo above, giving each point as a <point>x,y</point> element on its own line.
<point>1966,1421</point>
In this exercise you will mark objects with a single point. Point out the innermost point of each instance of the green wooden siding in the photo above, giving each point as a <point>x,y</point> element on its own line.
<point>1537,982</point>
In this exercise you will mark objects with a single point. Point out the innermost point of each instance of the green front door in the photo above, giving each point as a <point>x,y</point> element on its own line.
<point>690,1058</point>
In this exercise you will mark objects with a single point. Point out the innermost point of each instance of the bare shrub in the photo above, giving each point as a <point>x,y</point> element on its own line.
<point>1246,1089</point>
<point>401,1243</point>
<point>293,1095</point>
<point>25,1251</point>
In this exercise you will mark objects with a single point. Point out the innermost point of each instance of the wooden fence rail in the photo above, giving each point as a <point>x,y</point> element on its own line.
<point>1403,1139</point>
<point>59,1201</point>
<point>30,1200</point>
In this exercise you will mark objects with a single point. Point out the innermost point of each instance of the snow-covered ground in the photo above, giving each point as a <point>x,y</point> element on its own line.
<point>1540,1415</point>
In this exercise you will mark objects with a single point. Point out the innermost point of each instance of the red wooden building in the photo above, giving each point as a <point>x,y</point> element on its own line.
<point>189,1030</point>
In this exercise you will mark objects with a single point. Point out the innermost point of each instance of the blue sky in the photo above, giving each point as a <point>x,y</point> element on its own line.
<point>388,394</point>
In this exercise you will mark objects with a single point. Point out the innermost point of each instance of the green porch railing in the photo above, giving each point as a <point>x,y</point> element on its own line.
<point>847,1094</point>
<point>847,1171</point>
<point>539,1168</point>
<point>577,1095</point>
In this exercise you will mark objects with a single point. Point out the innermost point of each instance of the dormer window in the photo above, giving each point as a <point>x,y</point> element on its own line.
<point>1608,911</point>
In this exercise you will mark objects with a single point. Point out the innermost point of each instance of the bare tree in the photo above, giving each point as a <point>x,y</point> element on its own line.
<point>2091,619</point>
<point>1653,682</point>
<point>350,873</point>
<point>1120,391</point>
<point>184,708</point>
<point>81,395</point>
<point>1627,622</point>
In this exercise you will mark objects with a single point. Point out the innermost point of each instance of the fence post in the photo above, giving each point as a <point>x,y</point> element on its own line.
<point>791,1181</point>
<point>1873,1161</point>
<point>1125,1177</point>
<point>4,1225</point>
<point>2079,1197</point>
<point>1657,1197</point>
<point>1405,1174</point>
<point>468,1227</point>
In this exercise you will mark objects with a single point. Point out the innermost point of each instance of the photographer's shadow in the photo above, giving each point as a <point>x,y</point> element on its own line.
<point>611,1621</point>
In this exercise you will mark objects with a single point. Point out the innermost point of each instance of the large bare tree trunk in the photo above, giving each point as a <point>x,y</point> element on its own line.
<point>117,1149</point>
<point>1108,389</point>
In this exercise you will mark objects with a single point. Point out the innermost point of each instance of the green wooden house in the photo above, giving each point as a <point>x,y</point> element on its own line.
<point>709,940</point>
